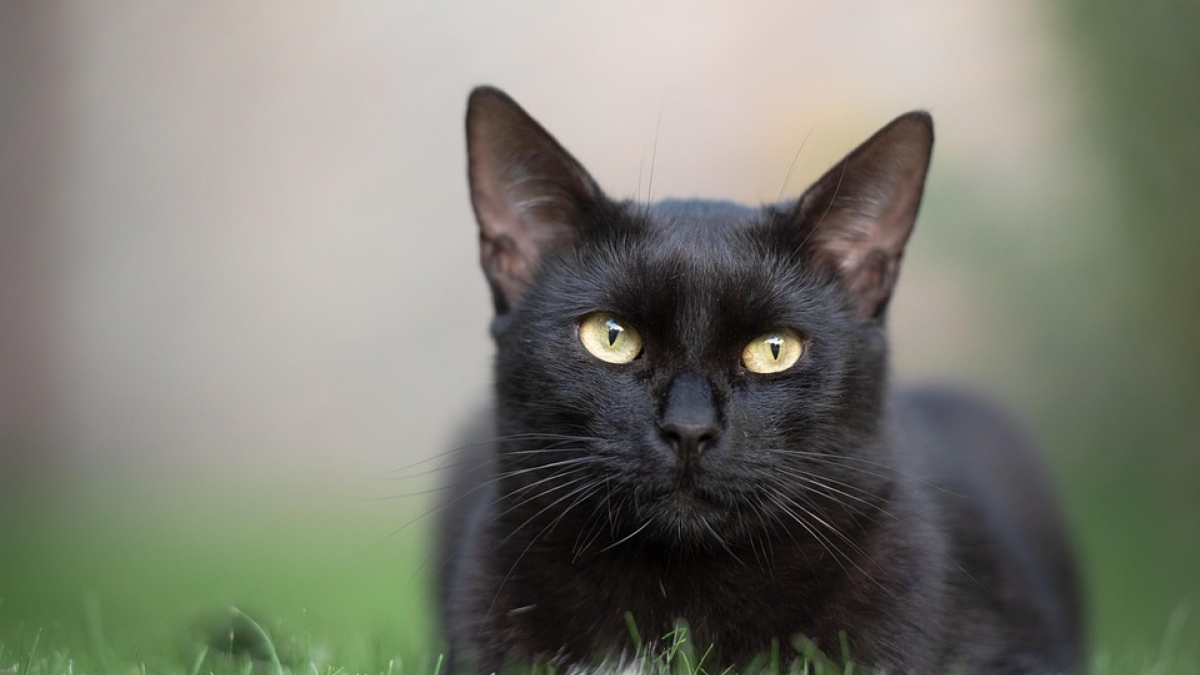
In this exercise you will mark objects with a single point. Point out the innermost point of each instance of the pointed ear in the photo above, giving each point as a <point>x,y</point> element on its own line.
<point>529,194</point>
<point>857,217</point>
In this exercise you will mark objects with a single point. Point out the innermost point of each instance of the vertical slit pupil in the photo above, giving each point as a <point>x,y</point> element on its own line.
<point>775,348</point>
<point>614,332</point>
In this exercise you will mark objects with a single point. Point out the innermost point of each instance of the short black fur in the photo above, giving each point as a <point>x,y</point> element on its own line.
<point>683,486</point>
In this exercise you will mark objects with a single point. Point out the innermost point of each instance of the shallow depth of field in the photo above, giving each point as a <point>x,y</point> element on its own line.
<point>240,313</point>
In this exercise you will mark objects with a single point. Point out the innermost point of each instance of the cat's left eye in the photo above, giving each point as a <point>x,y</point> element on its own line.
<point>773,352</point>
<point>609,339</point>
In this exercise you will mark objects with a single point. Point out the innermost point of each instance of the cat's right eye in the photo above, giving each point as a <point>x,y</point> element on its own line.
<point>773,352</point>
<point>609,339</point>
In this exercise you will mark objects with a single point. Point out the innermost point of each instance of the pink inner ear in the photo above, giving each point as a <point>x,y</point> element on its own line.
<point>863,209</point>
<point>864,243</point>
<point>526,189</point>
<point>872,281</point>
<point>882,224</point>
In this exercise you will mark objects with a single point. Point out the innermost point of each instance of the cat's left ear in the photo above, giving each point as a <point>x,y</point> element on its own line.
<point>856,219</point>
<point>530,196</point>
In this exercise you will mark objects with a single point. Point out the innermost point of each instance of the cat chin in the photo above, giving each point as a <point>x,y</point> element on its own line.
<point>687,517</point>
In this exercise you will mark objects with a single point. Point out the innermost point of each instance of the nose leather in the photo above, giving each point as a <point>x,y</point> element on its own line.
<point>690,421</point>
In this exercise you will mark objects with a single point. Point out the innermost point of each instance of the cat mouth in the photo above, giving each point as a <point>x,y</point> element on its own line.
<point>688,488</point>
<point>687,502</point>
<point>684,499</point>
<point>686,515</point>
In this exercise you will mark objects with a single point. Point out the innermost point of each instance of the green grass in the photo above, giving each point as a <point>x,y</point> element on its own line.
<point>144,582</point>
<point>191,584</point>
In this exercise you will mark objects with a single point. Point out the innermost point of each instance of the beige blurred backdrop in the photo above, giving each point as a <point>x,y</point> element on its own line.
<point>235,237</point>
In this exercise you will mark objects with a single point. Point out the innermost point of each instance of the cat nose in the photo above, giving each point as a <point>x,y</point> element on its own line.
<point>689,420</point>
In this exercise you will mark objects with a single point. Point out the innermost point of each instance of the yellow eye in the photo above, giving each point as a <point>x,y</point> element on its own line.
<point>609,339</point>
<point>773,352</point>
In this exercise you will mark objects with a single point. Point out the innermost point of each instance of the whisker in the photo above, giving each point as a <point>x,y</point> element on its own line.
<point>721,540</point>
<point>548,450</point>
<point>592,527</point>
<point>535,497</point>
<point>528,546</point>
<point>627,537</point>
<point>494,503</point>
<point>827,545</point>
<point>841,535</point>
<point>833,458</point>
<point>494,440</point>
<point>828,207</point>
<point>843,461</point>
<point>541,511</point>
<point>788,177</point>
<point>474,485</point>
<point>654,156</point>
<point>822,488</point>
<point>513,473</point>
<point>478,486</point>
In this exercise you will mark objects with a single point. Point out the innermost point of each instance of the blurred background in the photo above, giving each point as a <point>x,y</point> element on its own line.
<point>238,279</point>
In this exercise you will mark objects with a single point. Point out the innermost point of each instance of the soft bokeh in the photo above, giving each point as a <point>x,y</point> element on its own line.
<point>236,248</point>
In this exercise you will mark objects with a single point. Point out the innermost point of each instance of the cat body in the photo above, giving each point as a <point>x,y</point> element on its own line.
<point>692,422</point>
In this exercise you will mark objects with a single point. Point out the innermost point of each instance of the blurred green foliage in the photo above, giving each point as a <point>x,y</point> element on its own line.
<point>1134,472</point>
<point>143,579</point>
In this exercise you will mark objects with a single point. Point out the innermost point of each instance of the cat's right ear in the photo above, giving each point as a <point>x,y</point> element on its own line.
<point>855,220</point>
<point>529,194</point>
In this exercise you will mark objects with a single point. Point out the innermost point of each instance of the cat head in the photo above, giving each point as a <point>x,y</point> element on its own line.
<point>696,370</point>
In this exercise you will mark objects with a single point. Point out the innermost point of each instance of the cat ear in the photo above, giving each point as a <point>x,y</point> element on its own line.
<point>857,217</point>
<point>529,194</point>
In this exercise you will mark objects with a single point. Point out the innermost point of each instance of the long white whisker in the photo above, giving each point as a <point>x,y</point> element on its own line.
<point>532,541</point>
<point>821,487</point>
<point>627,537</point>
<point>496,439</point>
<point>833,551</point>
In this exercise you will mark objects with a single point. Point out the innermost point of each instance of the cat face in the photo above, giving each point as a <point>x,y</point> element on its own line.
<point>689,372</point>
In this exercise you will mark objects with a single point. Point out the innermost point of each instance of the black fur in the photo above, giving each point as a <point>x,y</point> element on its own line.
<point>809,502</point>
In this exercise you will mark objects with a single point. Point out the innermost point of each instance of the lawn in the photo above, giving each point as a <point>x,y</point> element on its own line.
<point>126,583</point>
<point>155,581</point>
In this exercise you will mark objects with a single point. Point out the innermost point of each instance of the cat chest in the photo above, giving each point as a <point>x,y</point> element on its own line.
<point>597,609</point>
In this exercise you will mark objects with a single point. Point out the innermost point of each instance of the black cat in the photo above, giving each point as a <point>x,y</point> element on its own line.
<point>692,422</point>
